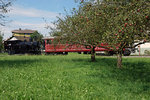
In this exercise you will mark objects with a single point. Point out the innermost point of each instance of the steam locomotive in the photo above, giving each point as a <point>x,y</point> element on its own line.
<point>22,47</point>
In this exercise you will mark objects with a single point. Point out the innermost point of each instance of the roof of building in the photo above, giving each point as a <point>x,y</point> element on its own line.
<point>18,38</point>
<point>13,39</point>
<point>23,31</point>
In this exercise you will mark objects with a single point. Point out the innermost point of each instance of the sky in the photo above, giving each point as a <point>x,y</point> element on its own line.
<point>29,14</point>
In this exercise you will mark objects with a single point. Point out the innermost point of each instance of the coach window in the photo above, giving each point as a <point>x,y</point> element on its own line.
<point>49,41</point>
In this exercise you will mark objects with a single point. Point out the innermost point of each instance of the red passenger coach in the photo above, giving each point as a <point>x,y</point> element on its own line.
<point>51,48</point>
<point>65,48</point>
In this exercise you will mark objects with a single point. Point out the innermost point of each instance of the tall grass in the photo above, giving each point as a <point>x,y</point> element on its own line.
<point>73,77</point>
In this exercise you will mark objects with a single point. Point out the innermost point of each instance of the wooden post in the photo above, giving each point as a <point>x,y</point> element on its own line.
<point>139,50</point>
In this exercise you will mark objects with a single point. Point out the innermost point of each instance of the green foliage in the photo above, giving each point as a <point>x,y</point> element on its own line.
<point>147,52</point>
<point>84,26</point>
<point>117,23</point>
<point>1,42</point>
<point>113,22</point>
<point>127,22</point>
<point>73,77</point>
<point>36,36</point>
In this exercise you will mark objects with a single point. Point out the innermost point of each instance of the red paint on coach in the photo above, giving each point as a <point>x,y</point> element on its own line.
<point>52,48</point>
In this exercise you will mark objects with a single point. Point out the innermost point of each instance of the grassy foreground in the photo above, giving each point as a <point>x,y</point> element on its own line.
<point>73,77</point>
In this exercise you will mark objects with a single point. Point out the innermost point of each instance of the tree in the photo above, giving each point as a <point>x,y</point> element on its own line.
<point>116,22</point>
<point>128,21</point>
<point>36,36</point>
<point>1,42</point>
<point>84,27</point>
<point>4,4</point>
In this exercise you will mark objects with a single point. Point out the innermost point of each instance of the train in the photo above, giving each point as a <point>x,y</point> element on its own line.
<point>48,47</point>
<point>51,48</point>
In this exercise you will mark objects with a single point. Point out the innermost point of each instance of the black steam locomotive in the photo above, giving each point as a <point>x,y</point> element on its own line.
<point>22,47</point>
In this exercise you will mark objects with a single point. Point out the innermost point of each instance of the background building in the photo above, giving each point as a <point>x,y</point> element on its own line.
<point>23,35</point>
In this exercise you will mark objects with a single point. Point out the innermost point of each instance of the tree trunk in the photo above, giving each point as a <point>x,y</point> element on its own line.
<point>93,54</point>
<point>119,59</point>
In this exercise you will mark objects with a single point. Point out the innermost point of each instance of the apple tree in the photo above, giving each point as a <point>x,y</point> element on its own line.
<point>85,26</point>
<point>128,21</point>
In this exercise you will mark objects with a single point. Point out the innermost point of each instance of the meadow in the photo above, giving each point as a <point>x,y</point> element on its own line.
<point>73,77</point>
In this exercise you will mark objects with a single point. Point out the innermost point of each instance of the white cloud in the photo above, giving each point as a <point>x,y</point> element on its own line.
<point>40,27</point>
<point>28,18</point>
<point>6,31</point>
<point>23,24</point>
<point>31,25</point>
<point>32,12</point>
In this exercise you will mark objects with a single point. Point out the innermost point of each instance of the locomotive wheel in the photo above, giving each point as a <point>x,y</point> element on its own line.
<point>79,52</point>
<point>127,52</point>
<point>110,53</point>
<point>11,52</point>
<point>66,53</point>
<point>84,52</point>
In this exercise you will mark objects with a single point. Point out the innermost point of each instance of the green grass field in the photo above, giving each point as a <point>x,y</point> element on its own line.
<point>73,77</point>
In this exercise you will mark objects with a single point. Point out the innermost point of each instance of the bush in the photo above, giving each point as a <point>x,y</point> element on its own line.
<point>147,52</point>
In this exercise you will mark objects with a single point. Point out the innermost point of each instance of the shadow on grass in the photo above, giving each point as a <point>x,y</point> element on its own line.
<point>17,62</point>
<point>137,71</point>
<point>133,71</point>
<point>79,60</point>
<point>99,62</point>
